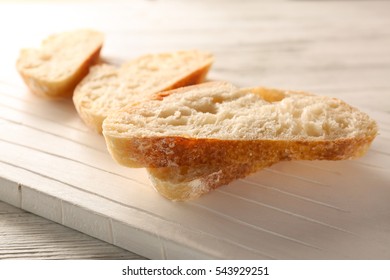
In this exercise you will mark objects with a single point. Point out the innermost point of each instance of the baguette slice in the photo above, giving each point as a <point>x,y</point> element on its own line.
<point>217,124</point>
<point>108,88</point>
<point>187,183</point>
<point>62,61</point>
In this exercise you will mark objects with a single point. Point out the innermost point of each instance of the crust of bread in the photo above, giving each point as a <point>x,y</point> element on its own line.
<point>43,85</point>
<point>93,114</point>
<point>188,183</point>
<point>165,150</point>
<point>170,134</point>
<point>180,151</point>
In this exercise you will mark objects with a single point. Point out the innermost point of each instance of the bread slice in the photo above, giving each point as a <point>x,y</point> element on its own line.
<point>108,88</point>
<point>187,183</point>
<point>60,63</point>
<point>217,124</point>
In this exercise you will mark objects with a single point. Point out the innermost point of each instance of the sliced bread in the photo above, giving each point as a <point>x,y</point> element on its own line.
<point>60,63</point>
<point>186,183</point>
<point>217,124</point>
<point>108,88</point>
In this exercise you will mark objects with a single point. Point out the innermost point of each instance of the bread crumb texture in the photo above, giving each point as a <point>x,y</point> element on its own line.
<point>61,61</point>
<point>108,88</point>
<point>60,54</point>
<point>221,111</point>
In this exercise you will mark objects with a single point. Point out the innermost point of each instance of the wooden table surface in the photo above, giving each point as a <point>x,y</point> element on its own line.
<point>337,48</point>
<point>26,236</point>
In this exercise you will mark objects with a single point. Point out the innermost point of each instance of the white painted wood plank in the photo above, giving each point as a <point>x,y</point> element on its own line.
<point>10,191</point>
<point>42,204</point>
<point>220,203</point>
<point>143,223</point>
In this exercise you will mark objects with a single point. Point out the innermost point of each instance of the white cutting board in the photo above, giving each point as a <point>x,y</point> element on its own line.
<point>53,166</point>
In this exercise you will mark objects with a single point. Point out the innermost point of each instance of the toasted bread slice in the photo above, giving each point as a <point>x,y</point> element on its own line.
<point>108,88</point>
<point>60,63</point>
<point>218,124</point>
<point>187,183</point>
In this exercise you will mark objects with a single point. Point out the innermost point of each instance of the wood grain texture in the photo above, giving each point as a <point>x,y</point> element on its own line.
<point>50,160</point>
<point>26,236</point>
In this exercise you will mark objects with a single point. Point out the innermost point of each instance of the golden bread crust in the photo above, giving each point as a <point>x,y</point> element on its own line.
<point>226,133</point>
<point>180,151</point>
<point>199,183</point>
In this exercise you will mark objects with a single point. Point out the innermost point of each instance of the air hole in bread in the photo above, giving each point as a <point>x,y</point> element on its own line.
<point>217,99</point>
<point>122,129</point>
<point>226,113</point>
<point>313,129</point>
<point>179,122</point>
<point>45,56</point>
<point>174,117</point>
<point>166,112</point>
<point>147,114</point>
<point>270,95</point>
<point>206,105</point>
<point>207,108</point>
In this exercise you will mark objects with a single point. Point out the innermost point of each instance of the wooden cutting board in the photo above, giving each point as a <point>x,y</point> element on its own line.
<point>53,166</point>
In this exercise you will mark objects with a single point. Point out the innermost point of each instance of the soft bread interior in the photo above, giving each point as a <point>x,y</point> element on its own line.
<point>195,139</point>
<point>221,111</point>
<point>60,55</point>
<point>108,88</point>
